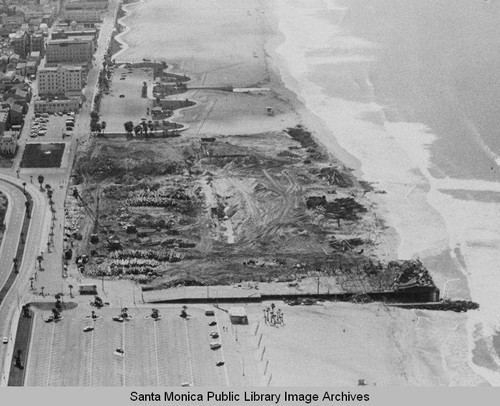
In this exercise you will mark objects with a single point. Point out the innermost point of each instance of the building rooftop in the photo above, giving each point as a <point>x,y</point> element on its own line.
<point>85,38</point>
<point>237,311</point>
<point>55,68</point>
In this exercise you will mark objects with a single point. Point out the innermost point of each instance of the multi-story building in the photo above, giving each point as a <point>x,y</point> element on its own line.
<point>87,4</point>
<point>57,105</point>
<point>12,20</point>
<point>60,80</point>
<point>4,116</point>
<point>72,50</point>
<point>31,67</point>
<point>4,61</point>
<point>64,34</point>
<point>80,14</point>
<point>20,43</point>
<point>8,143</point>
<point>37,42</point>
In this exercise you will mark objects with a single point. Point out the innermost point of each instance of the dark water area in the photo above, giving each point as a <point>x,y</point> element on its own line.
<point>438,63</point>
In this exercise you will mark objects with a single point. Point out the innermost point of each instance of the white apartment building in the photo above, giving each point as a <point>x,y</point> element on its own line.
<point>70,50</point>
<point>60,80</point>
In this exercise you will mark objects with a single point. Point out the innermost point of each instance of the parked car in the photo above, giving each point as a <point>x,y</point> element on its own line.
<point>122,96</point>
<point>5,340</point>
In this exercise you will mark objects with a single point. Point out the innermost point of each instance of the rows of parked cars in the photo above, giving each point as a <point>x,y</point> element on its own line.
<point>39,125</point>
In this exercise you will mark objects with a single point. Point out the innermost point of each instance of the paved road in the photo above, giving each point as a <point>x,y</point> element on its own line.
<point>13,229</point>
<point>37,230</point>
<point>38,235</point>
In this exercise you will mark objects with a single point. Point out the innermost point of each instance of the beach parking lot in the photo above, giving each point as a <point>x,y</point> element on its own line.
<point>116,110</point>
<point>169,352</point>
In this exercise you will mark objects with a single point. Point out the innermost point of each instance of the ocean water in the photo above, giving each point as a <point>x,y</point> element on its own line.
<point>412,90</point>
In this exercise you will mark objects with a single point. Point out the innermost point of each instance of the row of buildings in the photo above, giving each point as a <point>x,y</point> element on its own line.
<point>68,56</point>
<point>60,58</point>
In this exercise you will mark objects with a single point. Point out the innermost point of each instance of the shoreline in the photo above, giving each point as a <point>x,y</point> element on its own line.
<point>280,80</point>
<point>125,7</point>
<point>391,237</point>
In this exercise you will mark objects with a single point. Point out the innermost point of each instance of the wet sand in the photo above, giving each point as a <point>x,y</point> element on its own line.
<point>221,43</point>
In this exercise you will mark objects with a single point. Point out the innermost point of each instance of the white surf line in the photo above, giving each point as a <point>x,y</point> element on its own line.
<point>222,350</point>
<point>50,352</point>
<point>156,351</point>
<point>189,353</point>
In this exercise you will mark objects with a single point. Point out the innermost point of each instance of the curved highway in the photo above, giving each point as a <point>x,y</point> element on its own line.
<point>38,232</point>
<point>35,238</point>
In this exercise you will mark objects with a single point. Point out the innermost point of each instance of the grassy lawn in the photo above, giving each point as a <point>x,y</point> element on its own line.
<point>42,155</point>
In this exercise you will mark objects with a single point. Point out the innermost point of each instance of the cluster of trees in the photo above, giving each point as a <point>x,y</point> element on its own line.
<point>141,128</point>
<point>95,125</point>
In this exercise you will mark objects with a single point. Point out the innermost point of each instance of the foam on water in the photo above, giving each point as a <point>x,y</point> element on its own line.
<point>396,156</point>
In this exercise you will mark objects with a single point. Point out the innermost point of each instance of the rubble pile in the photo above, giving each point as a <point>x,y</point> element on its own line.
<point>157,198</point>
<point>157,255</point>
<point>409,273</point>
<point>334,176</point>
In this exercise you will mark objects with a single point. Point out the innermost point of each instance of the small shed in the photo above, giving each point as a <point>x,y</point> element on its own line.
<point>87,289</point>
<point>238,315</point>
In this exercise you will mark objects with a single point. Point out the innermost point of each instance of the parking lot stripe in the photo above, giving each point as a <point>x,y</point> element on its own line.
<point>50,352</point>
<point>222,351</point>
<point>156,351</point>
<point>189,353</point>
<point>124,370</point>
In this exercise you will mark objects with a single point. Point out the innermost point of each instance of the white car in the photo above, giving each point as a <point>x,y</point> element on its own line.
<point>5,340</point>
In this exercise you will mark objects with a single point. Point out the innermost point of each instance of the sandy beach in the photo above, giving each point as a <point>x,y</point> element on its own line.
<point>328,76</point>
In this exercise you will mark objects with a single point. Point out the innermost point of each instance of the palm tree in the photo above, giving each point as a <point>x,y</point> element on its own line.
<point>50,192</point>
<point>40,180</point>
<point>70,290</point>
<point>42,288</point>
<point>24,187</point>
